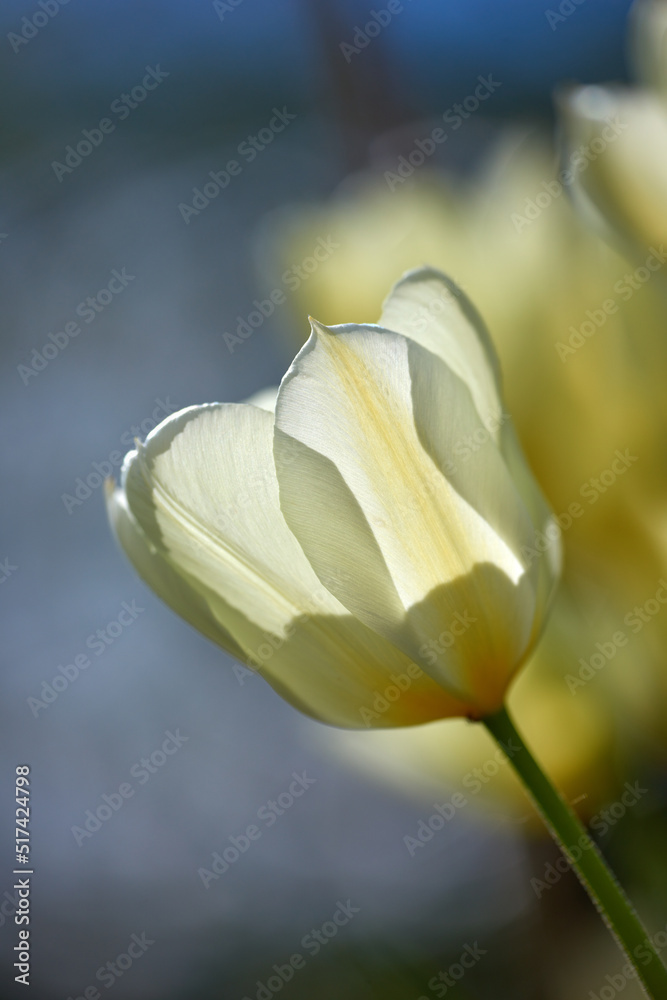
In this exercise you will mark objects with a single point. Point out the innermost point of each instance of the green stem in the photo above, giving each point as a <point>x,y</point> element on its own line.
<point>583,855</point>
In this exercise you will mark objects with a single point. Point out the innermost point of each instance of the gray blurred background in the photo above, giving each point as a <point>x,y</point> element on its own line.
<point>159,343</point>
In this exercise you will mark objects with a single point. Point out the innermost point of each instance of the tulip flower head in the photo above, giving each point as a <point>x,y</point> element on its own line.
<point>376,531</point>
<point>621,181</point>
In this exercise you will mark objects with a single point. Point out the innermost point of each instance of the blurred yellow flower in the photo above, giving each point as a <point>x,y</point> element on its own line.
<point>623,183</point>
<point>581,344</point>
<point>377,534</point>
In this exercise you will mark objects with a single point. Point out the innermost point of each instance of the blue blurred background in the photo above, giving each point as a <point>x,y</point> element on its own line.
<point>159,342</point>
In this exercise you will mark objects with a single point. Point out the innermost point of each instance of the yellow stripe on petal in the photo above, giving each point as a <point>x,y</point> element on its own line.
<point>427,307</point>
<point>366,426</point>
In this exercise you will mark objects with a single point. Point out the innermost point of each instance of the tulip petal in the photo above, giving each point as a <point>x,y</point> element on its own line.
<point>549,555</point>
<point>407,535</point>
<point>648,41</point>
<point>173,588</point>
<point>428,307</point>
<point>203,500</point>
<point>625,182</point>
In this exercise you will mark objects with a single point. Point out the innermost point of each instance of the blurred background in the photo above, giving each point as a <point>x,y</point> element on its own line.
<point>167,167</point>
